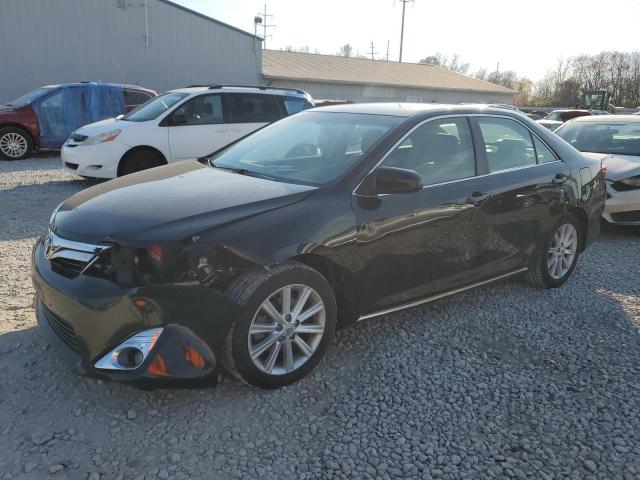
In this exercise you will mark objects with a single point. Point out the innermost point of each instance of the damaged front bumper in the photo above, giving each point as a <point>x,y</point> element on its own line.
<point>89,317</point>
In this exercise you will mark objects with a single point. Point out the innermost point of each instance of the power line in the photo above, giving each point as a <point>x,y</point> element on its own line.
<point>372,53</point>
<point>404,5</point>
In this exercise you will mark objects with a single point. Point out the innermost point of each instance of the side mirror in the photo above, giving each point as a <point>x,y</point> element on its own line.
<point>178,119</point>
<point>391,180</point>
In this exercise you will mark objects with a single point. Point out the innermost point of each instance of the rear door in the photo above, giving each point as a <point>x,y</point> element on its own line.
<point>415,245</point>
<point>197,127</point>
<point>523,183</point>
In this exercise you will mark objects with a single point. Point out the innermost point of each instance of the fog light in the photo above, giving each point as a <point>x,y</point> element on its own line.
<point>131,353</point>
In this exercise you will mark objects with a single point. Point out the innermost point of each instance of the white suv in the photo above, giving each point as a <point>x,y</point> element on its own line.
<point>182,124</point>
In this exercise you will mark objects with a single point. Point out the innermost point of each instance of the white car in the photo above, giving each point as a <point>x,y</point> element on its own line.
<point>182,124</point>
<point>556,118</point>
<point>615,139</point>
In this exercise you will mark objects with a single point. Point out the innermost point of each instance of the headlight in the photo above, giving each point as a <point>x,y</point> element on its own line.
<point>632,181</point>
<point>103,137</point>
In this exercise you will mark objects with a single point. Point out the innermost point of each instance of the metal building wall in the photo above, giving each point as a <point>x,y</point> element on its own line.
<point>364,93</point>
<point>56,41</point>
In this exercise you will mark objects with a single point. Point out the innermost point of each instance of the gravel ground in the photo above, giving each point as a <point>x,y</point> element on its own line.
<point>504,381</point>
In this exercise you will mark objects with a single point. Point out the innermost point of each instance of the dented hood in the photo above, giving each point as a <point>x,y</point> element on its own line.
<point>168,203</point>
<point>619,167</point>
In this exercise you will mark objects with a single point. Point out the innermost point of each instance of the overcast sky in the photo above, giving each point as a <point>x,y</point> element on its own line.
<point>527,37</point>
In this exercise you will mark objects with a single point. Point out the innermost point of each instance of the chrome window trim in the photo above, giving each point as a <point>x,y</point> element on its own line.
<point>458,115</point>
<point>439,296</point>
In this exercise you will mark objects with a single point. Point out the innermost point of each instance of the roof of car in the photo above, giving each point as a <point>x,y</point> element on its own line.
<point>562,110</point>
<point>240,88</point>
<point>83,84</point>
<point>608,118</point>
<point>408,109</point>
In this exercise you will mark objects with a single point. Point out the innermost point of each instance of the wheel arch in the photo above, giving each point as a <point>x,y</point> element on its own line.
<point>35,142</point>
<point>139,148</point>
<point>340,281</point>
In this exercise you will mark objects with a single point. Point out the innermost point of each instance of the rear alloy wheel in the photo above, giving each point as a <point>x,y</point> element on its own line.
<point>562,251</point>
<point>558,257</point>
<point>286,325</point>
<point>15,143</point>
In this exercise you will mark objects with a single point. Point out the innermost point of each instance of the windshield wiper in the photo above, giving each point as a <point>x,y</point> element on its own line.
<point>242,171</point>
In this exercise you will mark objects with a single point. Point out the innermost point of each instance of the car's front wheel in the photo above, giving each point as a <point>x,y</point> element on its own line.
<point>15,143</point>
<point>558,256</point>
<point>287,323</point>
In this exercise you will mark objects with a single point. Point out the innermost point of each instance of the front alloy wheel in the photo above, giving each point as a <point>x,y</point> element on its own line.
<point>287,322</point>
<point>14,143</point>
<point>287,329</point>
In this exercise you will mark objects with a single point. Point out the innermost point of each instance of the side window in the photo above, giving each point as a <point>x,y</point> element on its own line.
<point>252,108</point>
<point>507,143</point>
<point>542,152</point>
<point>439,150</point>
<point>202,110</point>
<point>295,104</point>
<point>132,97</point>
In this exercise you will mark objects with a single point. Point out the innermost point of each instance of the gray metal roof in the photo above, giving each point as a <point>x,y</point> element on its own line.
<point>335,69</point>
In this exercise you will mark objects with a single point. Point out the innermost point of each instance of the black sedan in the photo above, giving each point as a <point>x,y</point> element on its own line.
<point>250,258</point>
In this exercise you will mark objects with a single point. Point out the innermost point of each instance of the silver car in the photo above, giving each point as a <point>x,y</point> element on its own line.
<point>615,139</point>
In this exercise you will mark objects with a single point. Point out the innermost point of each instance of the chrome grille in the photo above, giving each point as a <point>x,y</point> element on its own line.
<point>69,258</point>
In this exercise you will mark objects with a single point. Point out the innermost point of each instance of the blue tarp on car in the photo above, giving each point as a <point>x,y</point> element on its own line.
<point>69,107</point>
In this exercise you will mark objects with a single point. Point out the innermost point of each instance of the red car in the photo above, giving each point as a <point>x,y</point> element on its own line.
<point>45,117</point>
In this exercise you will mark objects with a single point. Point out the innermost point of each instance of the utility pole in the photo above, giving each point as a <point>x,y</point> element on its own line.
<point>372,53</point>
<point>387,50</point>
<point>404,5</point>
<point>264,23</point>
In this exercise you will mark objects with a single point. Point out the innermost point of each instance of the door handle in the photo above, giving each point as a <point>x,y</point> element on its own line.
<point>559,179</point>
<point>478,198</point>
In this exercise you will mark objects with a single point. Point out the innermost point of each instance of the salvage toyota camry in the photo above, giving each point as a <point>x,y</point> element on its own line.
<point>250,258</point>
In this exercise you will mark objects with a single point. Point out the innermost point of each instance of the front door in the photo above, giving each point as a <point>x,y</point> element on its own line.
<point>415,245</point>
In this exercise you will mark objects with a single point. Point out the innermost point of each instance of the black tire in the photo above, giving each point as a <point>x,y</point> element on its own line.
<point>538,273</point>
<point>250,291</point>
<point>21,136</point>
<point>139,160</point>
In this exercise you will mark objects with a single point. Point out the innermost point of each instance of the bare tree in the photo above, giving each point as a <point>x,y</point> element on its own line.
<point>452,62</point>
<point>346,50</point>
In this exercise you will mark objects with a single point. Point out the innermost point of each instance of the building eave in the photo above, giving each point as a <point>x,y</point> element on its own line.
<point>506,91</point>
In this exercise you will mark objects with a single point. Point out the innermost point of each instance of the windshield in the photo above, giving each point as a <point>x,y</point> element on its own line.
<point>607,137</point>
<point>310,147</point>
<point>153,108</point>
<point>27,98</point>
